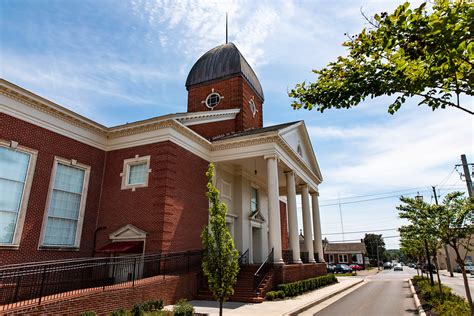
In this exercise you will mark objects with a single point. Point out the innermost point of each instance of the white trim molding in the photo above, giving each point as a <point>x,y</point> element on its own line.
<point>127,164</point>
<point>80,220</point>
<point>20,220</point>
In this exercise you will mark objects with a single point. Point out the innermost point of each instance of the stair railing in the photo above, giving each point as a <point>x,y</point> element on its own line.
<point>262,271</point>
<point>244,258</point>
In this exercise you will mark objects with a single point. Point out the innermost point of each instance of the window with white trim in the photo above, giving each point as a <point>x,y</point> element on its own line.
<point>66,204</point>
<point>253,200</point>
<point>331,258</point>
<point>226,190</point>
<point>343,259</point>
<point>135,172</point>
<point>17,165</point>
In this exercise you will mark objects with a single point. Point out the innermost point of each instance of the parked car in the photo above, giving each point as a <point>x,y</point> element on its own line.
<point>356,267</point>
<point>387,265</point>
<point>468,266</point>
<point>398,267</point>
<point>330,268</point>
<point>343,268</point>
<point>424,268</point>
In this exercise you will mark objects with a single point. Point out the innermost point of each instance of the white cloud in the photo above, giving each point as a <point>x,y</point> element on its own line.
<point>410,150</point>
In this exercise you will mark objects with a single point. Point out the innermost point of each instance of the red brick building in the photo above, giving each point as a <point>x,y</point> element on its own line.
<point>73,188</point>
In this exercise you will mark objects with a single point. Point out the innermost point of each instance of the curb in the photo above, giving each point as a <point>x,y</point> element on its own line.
<point>420,309</point>
<point>318,301</point>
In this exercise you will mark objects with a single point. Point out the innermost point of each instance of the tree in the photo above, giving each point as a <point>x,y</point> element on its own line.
<point>372,241</point>
<point>449,223</point>
<point>220,260</point>
<point>419,52</point>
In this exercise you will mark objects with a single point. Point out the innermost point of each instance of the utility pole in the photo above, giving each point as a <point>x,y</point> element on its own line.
<point>467,174</point>
<point>378,258</point>
<point>448,260</point>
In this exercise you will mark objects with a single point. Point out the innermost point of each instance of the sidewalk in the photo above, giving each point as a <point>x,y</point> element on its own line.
<point>282,307</point>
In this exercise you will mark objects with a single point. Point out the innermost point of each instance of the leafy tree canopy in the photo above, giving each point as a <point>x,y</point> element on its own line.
<point>421,52</point>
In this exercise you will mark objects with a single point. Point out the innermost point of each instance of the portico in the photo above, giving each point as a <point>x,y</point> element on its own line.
<point>273,168</point>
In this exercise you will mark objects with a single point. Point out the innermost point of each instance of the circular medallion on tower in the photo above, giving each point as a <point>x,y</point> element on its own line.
<point>213,99</point>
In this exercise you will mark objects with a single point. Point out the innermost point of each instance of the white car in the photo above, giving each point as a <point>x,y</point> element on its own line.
<point>398,267</point>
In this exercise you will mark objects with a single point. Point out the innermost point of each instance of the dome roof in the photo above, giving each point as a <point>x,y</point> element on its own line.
<point>222,61</point>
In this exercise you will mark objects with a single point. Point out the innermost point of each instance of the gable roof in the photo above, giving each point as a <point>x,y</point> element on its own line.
<point>345,247</point>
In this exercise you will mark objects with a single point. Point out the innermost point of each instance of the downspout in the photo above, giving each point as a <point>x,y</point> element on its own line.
<point>97,229</point>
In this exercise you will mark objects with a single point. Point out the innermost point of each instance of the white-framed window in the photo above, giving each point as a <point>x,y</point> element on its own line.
<point>135,172</point>
<point>343,259</point>
<point>64,216</point>
<point>17,165</point>
<point>253,200</point>
<point>213,99</point>
<point>331,258</point>
<point>226,190</point>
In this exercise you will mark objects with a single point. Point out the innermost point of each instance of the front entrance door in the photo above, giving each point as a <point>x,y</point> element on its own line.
<point>256,244</point>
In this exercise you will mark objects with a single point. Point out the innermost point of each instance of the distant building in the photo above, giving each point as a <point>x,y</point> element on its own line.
<point>345,252</point>
<point>443,258</point>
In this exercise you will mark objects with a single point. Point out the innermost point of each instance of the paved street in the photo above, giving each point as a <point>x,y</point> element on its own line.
<point>456,282</point>
<point>386,293</point>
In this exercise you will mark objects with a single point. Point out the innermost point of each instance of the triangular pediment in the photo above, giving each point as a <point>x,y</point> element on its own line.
<point>297,137</point>
<point>257,217</point>
<point>128,232</point>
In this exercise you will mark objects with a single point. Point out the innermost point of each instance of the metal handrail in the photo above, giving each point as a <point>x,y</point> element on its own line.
<point>244,258</point>
<point>262,270</point>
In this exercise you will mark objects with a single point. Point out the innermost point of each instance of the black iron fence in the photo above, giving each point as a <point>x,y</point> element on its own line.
<point>31,283</point>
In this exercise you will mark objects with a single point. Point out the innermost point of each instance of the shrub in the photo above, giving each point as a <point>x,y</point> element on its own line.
<point>137,310</point>
<point>155,305</point>
<point>299,287</point>
<point>446,303</point>
<point>119,312</point>
<point>89,313</point>
<point>281,294</point>
<point>270,295</point>
<point>183,308</point>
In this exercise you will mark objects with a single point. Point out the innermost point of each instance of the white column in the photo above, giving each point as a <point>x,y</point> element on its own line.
<point>292,216</point>
<point>318,240</point>
<point>274,209</point>
<point>307,229</point>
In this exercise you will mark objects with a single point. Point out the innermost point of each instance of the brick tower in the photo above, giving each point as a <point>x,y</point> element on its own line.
<point>223,80</point>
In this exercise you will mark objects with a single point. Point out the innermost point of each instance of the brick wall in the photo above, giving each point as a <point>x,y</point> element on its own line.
<point>49,144</point>
<point>237,94</point>
<point>296,272</point>
<point>169,289</point>
<point>284,226</point>
<point>172,209</point>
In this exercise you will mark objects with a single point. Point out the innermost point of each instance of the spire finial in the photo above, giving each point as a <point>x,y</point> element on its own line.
<point>226,29</point>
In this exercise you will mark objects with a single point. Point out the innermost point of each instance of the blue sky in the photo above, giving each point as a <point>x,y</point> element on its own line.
<point>122,61</point>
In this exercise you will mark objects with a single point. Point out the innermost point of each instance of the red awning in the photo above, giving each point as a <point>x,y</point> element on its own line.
<point>123,247</point>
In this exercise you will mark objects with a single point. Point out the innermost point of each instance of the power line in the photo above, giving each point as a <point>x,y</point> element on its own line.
<point>374,199</point>
<point>384,197</point>
<point>372,194</point>
<point>334,241</point>
<point>363,231</point>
